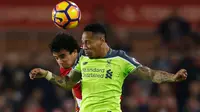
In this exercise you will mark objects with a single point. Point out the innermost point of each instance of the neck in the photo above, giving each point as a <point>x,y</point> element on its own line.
<point>105,50</point>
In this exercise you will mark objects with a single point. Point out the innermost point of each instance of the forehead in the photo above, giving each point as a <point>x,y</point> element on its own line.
<point>87,35</point>
<point>61,52</point>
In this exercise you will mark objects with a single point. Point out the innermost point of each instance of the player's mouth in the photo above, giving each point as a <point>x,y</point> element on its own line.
<point>88,53</point>
<point>64,65</point>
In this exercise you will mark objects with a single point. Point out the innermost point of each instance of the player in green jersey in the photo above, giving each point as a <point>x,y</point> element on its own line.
<point>102,71</point>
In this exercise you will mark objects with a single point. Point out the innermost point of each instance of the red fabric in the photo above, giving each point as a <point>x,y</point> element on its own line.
<point>77,87</point>
<point>77,90</point>
<point>64,72</point>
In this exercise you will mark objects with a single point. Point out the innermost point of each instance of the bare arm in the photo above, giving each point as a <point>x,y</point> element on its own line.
<point>67,82</point>
<point>159,76</point>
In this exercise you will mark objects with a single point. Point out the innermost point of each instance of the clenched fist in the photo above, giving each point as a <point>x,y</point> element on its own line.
<point>37,73</point>
<point>180,75</point>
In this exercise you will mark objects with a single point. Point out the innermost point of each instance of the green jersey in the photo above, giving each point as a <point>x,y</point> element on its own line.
<point>102,80</point>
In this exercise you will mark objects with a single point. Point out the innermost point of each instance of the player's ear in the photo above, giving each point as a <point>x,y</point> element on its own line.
<point>102,39</point>
<point>74,52</point>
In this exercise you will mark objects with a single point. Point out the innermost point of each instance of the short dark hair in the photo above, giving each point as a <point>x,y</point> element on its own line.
<point>96,28</point>
<point>64,41</point>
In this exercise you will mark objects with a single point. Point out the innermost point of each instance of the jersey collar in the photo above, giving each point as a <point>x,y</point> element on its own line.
<point>108,53</point>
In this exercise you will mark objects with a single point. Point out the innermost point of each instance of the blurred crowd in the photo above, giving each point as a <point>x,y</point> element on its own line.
<point>173,45</point>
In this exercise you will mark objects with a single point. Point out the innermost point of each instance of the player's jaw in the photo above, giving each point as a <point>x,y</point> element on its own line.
<point>64,64</point>
<point>88,53</point>
<point>91,52</point>
<point>67,62</point>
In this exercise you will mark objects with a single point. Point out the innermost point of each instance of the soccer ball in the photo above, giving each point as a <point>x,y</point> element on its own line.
<point>66,15</point>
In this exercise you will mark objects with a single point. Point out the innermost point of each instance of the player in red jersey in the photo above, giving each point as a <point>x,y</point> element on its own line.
<point>65,49</point>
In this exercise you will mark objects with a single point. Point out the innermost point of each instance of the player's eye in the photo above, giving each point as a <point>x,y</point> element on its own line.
<point>83,42</point>
<point>89,42</point>
<point>62,56</point>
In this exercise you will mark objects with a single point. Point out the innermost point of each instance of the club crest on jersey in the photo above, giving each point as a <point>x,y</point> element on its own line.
<point>84,63</point>
<point>109,74</point>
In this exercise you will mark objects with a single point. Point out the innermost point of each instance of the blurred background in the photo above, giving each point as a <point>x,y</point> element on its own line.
<point>161,34</point>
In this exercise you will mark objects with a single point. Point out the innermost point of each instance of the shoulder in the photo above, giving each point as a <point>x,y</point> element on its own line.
<point>123,55</point>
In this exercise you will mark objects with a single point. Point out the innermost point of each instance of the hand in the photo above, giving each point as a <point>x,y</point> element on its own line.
<point>180,75</point>
<point>37,73</point>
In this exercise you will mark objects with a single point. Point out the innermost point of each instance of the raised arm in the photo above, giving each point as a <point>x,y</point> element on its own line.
<point>131,66</point>
<point>159,76</point>
<point>67,82</point>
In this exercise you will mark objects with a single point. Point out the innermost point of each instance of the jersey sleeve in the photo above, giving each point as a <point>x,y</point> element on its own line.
<point>77,66</point>
<point>129,63</point>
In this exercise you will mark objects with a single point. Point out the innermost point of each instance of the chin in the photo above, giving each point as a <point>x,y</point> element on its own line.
<point>91,56</point>
<point>88,54</point>
<point>64,66</point>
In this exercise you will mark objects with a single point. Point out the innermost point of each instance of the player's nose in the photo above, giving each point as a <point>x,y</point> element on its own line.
<point>85,47</point>
<point>60,61</point>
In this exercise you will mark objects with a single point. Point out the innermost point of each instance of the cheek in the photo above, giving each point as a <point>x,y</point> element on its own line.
<point>65,60</point>
<point>69,59</point>
<point>95,46</point>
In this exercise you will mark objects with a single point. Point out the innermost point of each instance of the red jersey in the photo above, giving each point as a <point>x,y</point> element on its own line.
<point>77,88</point>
